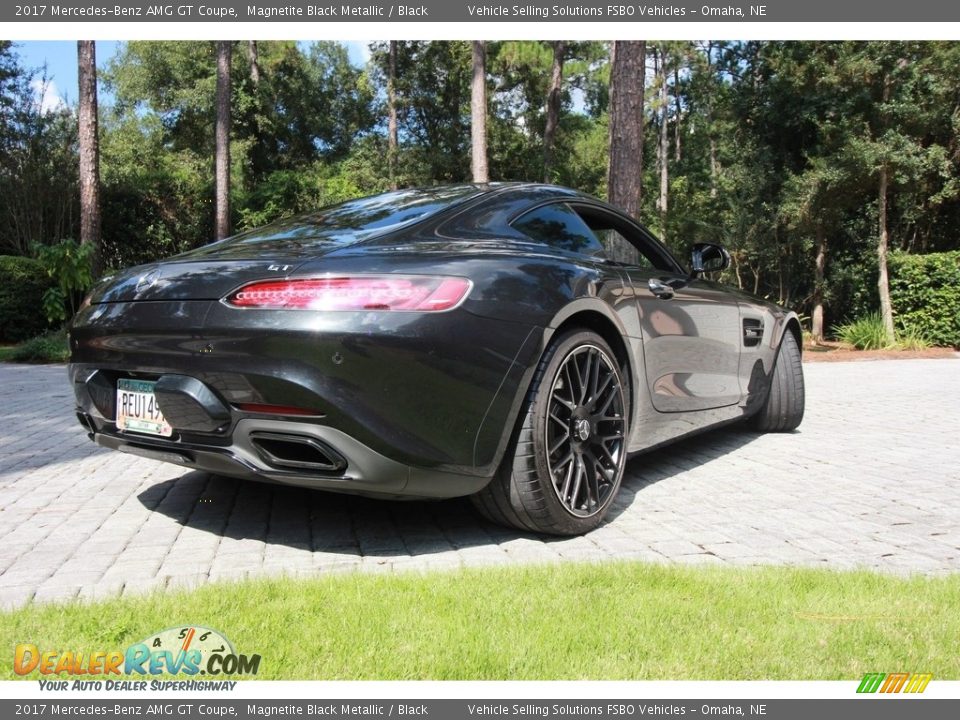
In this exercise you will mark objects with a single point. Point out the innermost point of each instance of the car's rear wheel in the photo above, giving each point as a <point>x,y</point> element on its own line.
<point>567,457</point>
<point>782,411</point>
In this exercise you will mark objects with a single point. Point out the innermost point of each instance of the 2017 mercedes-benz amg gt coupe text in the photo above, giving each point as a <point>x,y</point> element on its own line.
<point>439,342</point>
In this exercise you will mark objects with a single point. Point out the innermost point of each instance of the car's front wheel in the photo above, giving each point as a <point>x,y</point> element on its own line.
<point>783,408</point>
<point>567,457</point>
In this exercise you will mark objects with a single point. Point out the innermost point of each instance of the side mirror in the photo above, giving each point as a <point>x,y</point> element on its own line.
<point>707,257</point>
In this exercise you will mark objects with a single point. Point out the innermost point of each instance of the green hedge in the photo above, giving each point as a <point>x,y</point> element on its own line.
<point>23,281</point>
<point>925,292</point>
<point>51,347</point>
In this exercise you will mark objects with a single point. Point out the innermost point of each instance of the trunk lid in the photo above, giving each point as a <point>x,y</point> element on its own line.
<point>189,280</point>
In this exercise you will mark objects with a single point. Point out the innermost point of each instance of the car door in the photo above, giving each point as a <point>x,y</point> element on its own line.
<point>691,342</point>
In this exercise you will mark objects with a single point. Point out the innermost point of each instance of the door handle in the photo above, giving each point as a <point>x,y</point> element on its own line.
<point>661,290</point>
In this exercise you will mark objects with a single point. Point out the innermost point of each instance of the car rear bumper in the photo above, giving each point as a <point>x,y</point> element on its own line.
<point>291,453</point>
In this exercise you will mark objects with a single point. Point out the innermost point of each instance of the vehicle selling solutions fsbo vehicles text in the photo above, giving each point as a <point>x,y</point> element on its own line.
<point>610,11</point>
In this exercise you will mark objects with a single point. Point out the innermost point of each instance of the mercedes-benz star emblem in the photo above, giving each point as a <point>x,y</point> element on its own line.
<point>581,428</point>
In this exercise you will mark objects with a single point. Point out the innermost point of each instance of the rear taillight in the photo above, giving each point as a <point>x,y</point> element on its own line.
<point>411,293</point>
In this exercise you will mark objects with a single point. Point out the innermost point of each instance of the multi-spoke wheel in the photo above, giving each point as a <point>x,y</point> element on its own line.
<point>585,430</point>
<point>570,449</point>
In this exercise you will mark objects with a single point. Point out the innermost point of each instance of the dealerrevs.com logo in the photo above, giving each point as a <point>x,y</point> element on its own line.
<point>894,682</point>
<point>183,651</point>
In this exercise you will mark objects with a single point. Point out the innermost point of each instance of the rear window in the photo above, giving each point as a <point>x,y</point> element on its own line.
<point>345,223</point>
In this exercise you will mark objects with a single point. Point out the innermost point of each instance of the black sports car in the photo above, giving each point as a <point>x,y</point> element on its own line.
<point>440,342</point>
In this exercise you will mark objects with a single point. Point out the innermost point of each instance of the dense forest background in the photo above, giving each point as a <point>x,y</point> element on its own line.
<point>796,156</point>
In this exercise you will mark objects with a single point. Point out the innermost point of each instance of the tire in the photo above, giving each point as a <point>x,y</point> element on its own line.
<point>782,410</point>
<point>566,459</point>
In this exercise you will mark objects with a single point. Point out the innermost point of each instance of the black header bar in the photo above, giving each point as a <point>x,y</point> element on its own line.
<point>469,11</point>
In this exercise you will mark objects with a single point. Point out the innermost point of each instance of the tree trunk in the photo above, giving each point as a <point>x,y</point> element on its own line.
<point>735,261</point>
<point>553,108</point>
<point>780,299</point>
<point>816,323</point>
<point>714,169</point>
<point>624,174</point>
<point>89,150</point>
<point>478,113</point>
<point>883,241</point>
<point>677,113</point>
<point>222,220</point>
<point>392,114</point>
<point>257,162</point>
<point>883,283</point>
<point>254,63</point>
<point>664,146</point>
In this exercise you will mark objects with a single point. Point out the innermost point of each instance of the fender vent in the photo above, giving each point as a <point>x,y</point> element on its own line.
<point>752,332</point>
<point>297,452</point>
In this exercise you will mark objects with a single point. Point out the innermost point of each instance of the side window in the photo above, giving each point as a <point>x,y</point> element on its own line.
<point>559,226</point>
<point>610,228</point>
<point>609,236</point>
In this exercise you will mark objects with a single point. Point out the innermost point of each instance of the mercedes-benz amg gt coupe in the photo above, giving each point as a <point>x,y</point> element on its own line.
<point>447,341</point>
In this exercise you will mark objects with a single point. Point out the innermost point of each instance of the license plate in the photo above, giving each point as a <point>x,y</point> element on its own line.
<point>137,409</point>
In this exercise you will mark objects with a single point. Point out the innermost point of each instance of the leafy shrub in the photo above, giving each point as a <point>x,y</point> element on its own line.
<point>71,267</point>
<point>51,347</point>
<point>912,339</point>
<point>867,333</point>
<point>23,283</point>
<point>286,192</point>
<point>925,292</point>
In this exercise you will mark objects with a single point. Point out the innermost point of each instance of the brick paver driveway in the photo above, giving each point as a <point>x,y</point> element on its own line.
<point>869,480</point>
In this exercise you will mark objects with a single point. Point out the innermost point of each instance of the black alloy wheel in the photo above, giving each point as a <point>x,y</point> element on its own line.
<point>569,450</point>
<point>585,432</point>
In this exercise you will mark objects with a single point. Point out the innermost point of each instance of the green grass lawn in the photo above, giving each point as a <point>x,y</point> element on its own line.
<point>609,621</point>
